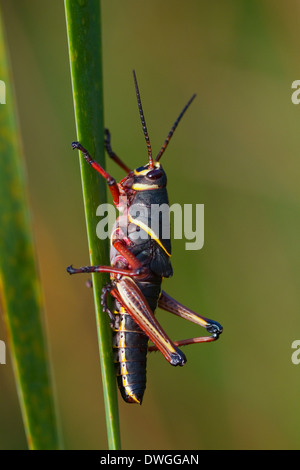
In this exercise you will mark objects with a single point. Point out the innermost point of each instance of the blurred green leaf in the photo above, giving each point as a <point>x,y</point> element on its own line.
<point>20,287</point>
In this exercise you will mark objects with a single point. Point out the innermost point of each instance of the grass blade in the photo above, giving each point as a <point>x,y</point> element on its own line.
<point>20,288</point>
<point>84,36</point>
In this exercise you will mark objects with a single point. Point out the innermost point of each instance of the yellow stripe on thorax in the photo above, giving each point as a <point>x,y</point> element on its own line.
<point>149,231</point>
<point>144,186</point>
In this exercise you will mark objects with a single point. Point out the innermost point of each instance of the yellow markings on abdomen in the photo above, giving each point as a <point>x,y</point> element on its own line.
<point>122,351</point>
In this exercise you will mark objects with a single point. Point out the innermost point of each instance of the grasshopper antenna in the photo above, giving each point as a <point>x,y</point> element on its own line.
<point>143,121</point>
<point>164,146</point>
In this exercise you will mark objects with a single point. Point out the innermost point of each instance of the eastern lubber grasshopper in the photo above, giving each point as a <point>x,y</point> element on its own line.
<point>138,266</point>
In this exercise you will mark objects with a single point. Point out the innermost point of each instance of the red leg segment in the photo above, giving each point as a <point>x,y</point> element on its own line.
<point>104,269</point>
<point>133,262</point>
<point>113,187</point>
<point>186,342</point>
<point>112,154</point>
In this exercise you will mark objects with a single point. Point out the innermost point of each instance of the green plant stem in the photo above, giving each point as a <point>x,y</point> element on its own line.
<point>20,288</point>
<point>84,37</point>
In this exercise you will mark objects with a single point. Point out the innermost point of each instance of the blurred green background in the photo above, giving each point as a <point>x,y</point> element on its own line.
<point>236,152</point>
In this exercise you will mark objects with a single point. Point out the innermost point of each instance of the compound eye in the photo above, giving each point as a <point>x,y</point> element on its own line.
<point>155,174</point>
